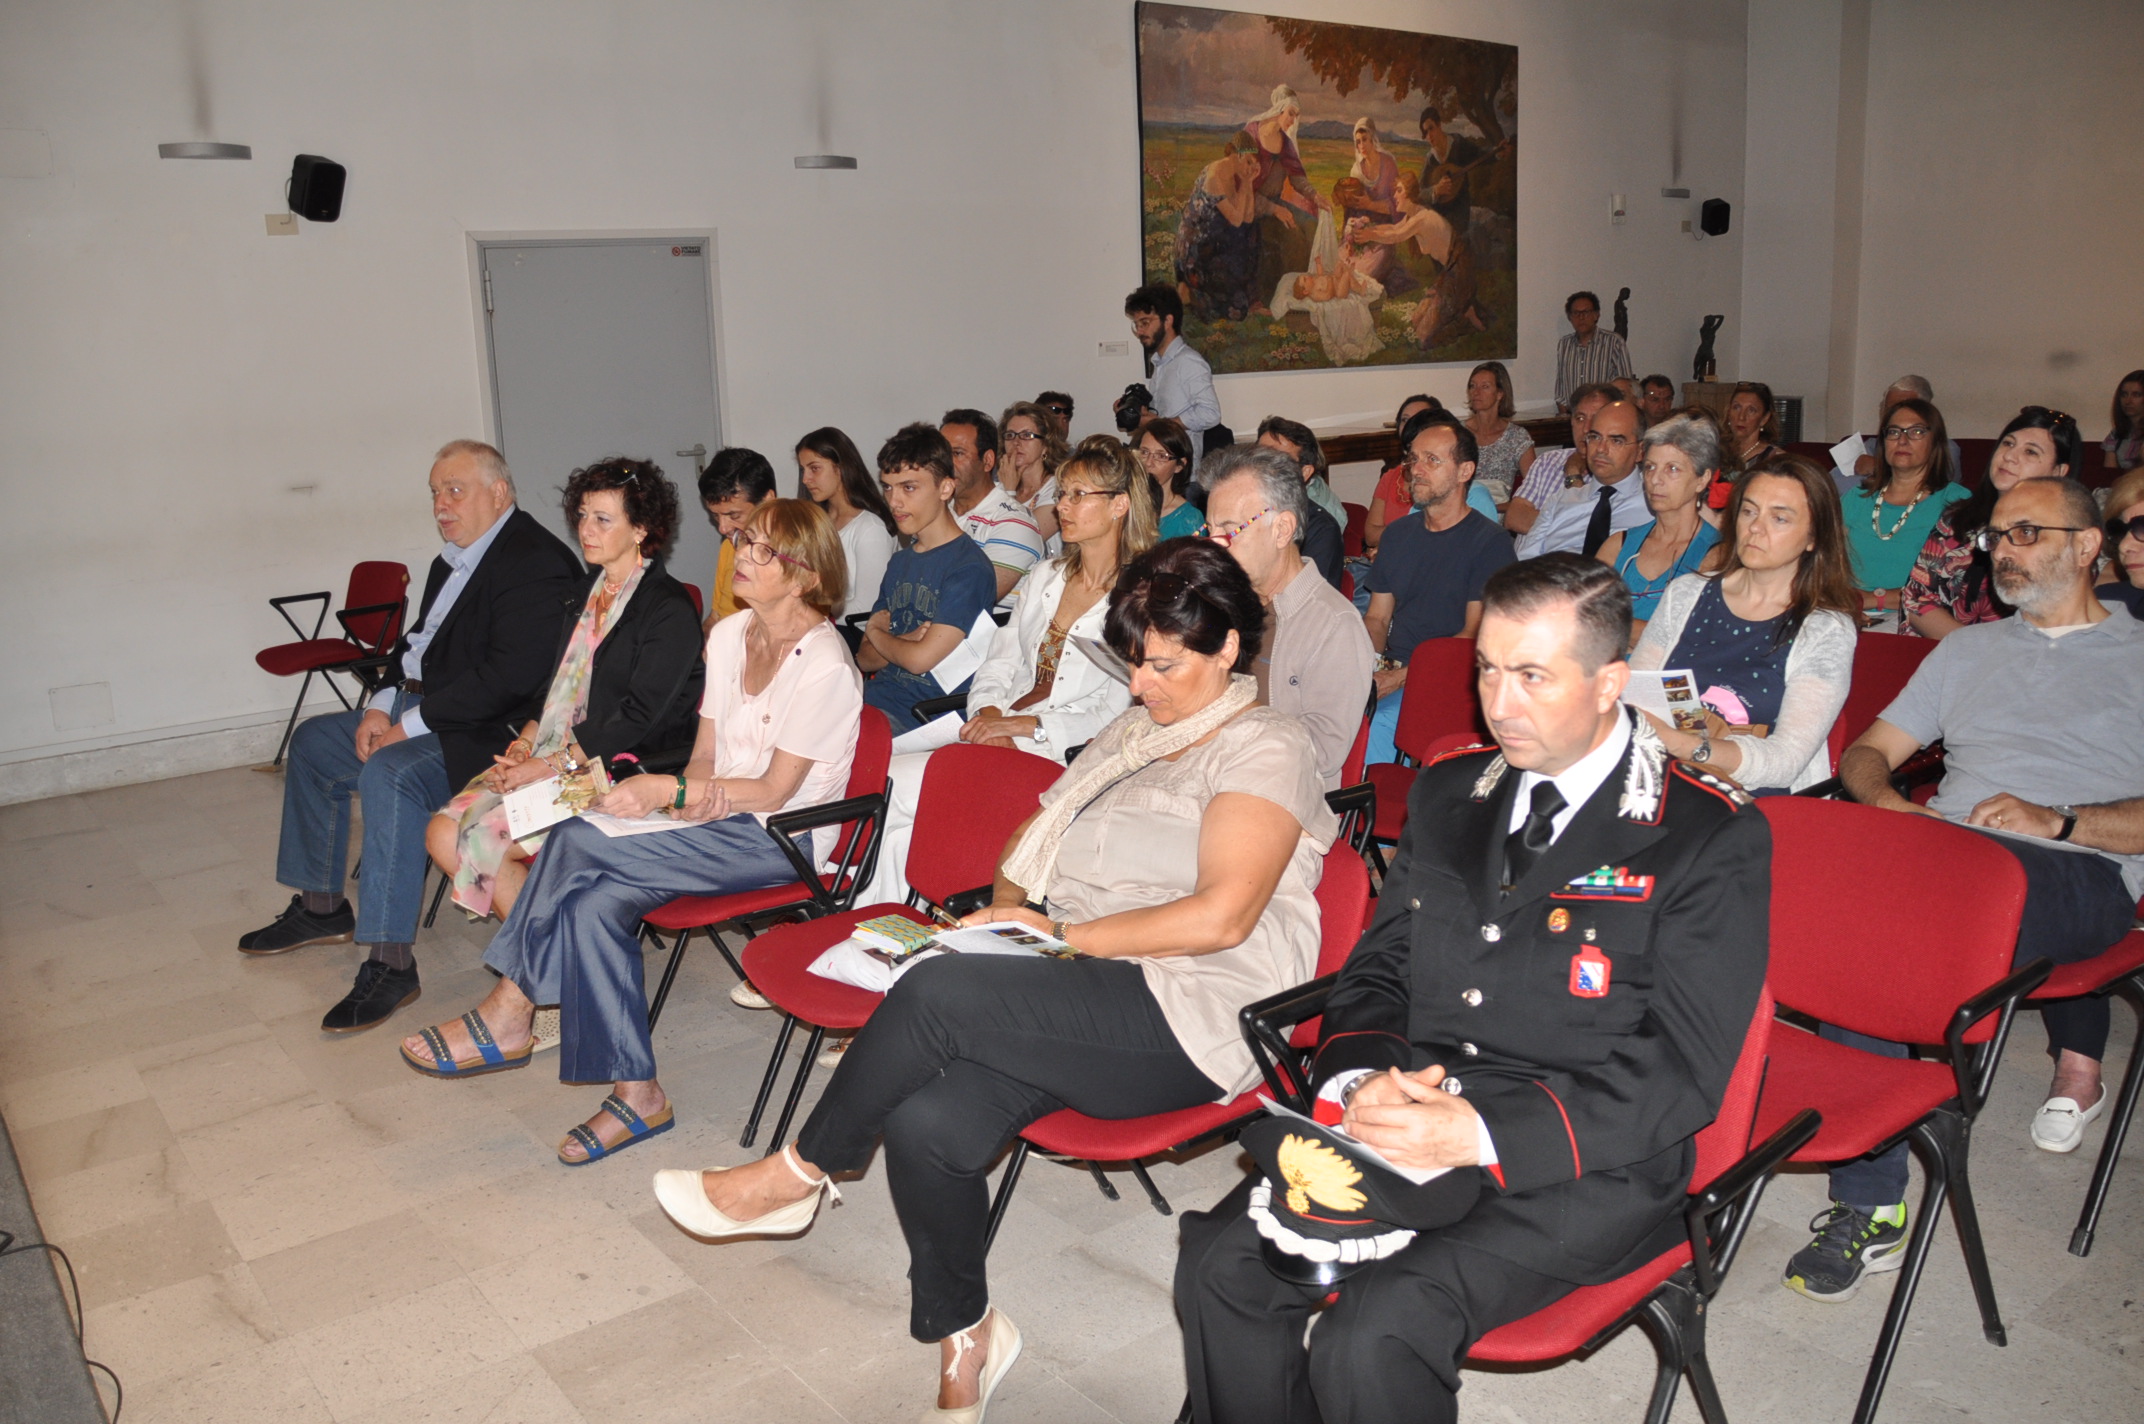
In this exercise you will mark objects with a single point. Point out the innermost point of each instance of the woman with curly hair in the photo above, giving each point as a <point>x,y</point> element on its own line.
<point>627,686</point>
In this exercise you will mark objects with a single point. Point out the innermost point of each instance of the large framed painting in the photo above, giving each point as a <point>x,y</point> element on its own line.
<point>1329,195</point>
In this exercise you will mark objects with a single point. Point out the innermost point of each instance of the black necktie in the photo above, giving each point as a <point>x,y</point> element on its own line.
<point>1524,846</point>
<point>1597,526</point>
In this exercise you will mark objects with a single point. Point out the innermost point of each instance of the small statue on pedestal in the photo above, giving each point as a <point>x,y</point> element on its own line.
<point>1706,365</point>
<point>1622,314</point>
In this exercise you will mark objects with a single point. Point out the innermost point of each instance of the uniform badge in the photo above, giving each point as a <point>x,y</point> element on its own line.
<point>1589,976</point>
<point>1559,920</point>
<point>1606,883</point>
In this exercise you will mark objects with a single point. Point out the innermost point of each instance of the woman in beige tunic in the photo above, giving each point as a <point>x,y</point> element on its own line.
<point>1180,856</point>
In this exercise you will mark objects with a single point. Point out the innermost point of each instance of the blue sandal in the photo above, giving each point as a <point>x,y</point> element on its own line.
<point>488,1060</point>
<point>637,1129</point>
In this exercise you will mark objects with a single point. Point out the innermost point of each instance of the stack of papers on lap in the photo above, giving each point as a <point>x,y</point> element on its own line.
<point>880,951</point>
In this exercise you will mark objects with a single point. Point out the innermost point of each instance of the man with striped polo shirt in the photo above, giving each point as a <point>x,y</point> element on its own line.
<point>996,521</point>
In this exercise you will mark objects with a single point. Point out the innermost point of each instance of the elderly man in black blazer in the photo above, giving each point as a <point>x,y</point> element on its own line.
<point>465,677</point>
<point>1551,997</point>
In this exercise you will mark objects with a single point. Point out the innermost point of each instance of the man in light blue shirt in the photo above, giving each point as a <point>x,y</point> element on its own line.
<point>1181,381</point>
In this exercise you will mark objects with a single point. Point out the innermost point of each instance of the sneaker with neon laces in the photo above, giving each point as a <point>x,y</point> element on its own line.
<point>1849,1244</point>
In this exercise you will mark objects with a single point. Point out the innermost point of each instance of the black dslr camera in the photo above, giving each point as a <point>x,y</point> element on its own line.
<point>1135,401</point>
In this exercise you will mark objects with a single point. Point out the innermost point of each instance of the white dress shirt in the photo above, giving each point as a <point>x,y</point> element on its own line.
<point>1564,520</point>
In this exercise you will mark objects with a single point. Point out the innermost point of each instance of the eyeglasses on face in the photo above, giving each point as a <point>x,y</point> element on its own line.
<point>2022,535</point>
<point>2131,528</point>
<point>1157,457</point>
<point>1059,410</point>
<point>761,553</point>
<point>1068,496</point>
<point>1022,437</point>
<point>1904,432</point>
<point>1228,533</point>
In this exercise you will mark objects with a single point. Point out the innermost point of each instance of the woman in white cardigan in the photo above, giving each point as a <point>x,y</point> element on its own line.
<point>1036,690</point>
<point>1769,631</point>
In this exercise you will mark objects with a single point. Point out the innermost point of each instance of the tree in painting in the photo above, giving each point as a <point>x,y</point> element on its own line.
<point>1328,195</point>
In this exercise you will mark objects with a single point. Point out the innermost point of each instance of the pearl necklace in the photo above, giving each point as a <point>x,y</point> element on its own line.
<point>1876,516</point>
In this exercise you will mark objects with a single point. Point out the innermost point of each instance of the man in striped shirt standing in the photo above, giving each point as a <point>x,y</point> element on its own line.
<point>1588,355</point>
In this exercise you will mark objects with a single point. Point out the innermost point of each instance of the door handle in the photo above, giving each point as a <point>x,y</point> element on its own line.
<point>699,459</point>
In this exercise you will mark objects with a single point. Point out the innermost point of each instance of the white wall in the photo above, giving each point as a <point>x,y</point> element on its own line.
<point>195,416</point>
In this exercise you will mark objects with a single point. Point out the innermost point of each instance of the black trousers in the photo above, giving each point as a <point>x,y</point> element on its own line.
<point>1387,1352</point>
<point>963,1054</point>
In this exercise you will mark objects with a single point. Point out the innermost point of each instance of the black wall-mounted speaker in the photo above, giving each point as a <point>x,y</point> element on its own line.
<point>1711,215</point>
<point>316,187</point>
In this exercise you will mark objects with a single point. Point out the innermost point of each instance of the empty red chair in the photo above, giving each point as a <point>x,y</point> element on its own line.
<point>371,619</point>
<point>971,801</point>
<point>861,814</point>
<point>1344,911</point>
<point>1673,1291</point>
<point>2119,971</point>
<point>1937,907</point>
<point>1439,708</point>
<point>1883,664</point>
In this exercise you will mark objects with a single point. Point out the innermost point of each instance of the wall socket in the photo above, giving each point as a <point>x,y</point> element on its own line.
<point>1113,348</point>
<point>282,224</point>
<point>81,707</point>
<point>1617,208</point>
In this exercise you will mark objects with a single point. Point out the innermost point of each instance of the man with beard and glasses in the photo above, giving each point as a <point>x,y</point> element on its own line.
<point>2038,715</point>
<point>1182,382</point>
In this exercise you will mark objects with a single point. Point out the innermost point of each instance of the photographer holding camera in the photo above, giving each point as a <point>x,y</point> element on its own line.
<point>1182,381</point>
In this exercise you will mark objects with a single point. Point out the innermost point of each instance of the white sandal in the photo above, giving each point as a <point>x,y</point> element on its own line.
<point>1003,1349</point>
<point>683,1198</point>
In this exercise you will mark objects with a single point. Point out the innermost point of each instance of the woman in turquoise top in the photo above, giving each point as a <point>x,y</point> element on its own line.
<point>1165,451</point>
<point>1889,517</point>
<point>1681,458</point>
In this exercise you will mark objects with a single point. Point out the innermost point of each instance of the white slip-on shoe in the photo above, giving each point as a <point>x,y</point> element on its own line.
<point>1004,1348</point>
<point>2059,1124</point>
<point>544,1029</point>
<point>744,996</point>
<point>684,1201</point>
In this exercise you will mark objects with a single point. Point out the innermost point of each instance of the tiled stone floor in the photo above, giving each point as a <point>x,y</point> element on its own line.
<point>274,1225</point>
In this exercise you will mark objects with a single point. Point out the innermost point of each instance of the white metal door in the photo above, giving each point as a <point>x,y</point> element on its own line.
<point>603,347</point>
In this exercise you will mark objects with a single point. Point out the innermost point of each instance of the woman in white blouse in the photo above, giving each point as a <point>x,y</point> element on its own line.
<point>832,474</point>
<point>778,728</point>
<point>1036,691</point>
<point>1768,631</point>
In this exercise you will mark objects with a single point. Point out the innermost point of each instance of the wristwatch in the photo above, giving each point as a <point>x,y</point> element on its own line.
<point>2069,821</point>
<point>1041,735</point>
<point>1703,752</point>
<point>1059,929</point>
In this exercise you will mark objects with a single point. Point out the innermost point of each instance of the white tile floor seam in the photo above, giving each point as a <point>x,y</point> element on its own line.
<point>278,1225</point>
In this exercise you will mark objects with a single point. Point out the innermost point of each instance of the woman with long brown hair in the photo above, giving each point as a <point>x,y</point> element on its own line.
<point>1028,470</point>
<point>1889,518</point>
<point>1768,631</point>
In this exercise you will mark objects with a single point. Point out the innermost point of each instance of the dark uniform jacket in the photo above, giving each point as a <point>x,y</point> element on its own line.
<point>1592,1081</point>
<point>486,671</point>
<point>649,671</point>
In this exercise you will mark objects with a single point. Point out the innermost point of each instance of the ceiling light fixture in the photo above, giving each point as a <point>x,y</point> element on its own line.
<point>199,149</point>
<point>824,160</point>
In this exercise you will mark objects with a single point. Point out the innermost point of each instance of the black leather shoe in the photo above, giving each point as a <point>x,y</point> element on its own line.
<point>378,992</point>
<point>297,927</point>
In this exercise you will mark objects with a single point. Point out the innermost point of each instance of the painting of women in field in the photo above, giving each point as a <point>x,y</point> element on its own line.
<point>1329,195</point>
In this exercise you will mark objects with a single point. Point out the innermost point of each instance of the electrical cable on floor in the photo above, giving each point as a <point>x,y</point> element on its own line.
<point>9,1248</point>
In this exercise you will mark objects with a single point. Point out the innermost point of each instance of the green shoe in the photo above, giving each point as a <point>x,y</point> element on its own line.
<point>1848,1245</point>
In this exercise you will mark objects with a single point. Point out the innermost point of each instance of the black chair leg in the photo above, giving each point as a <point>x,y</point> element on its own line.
<point>1918,1240</point>
<point>1666,1317</point>
<point>437,895</point>
<point>722,947</point>
<point>2110,1150</point>
<point>1109,1189</point>
<point>662,994</point>
<point>1002,1198</point>
<point>1956,1136</point>
<point>796,1089</point>
<point>1161,1203</point>
<point>766,1083</point>
<point>292,725</point>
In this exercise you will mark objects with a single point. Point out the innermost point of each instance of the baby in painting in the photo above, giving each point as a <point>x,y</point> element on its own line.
<point>1337,296</point>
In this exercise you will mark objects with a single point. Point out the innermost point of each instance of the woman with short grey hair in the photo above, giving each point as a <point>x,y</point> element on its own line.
<point>1681,457</point>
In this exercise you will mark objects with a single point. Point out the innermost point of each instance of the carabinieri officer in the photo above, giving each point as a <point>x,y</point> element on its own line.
<point>1552,995</point>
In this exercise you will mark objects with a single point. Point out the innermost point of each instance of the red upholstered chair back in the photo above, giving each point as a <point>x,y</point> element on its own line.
<point>699,600</point>
<point>1883,664</point>
<point>1884,922</point>
<point>1973,458</point>
<point>1343,914</point>
<point>1357,755</point>
<point>972,800</point>
<point>1358,524</point>
<point>1440,699</point>
<point>1722,1144</point>
<point>867,772</point>
<point>373,583</point>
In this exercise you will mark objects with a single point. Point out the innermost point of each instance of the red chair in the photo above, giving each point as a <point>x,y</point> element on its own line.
<point>1358,522</point>
<point>371,618</point>
<point>699,600</point>
<point>1439,704</point>
<point>861,814</point>
<point>2118,971</point>
<point>1344,911</point>
<point>1672,1293</point>
<point>1973,458</point>
<point>1945,951</point>
<point>1883,664</point>
<point>971,801</point>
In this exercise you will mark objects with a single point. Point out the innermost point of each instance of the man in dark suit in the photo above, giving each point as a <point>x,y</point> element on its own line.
<point>1558,979</point>
<point>472,670</point>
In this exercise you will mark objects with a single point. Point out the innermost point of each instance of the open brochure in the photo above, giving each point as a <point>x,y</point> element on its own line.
<point>1356,1146</point>
<point>1846,452</point>
<point>543,804</point>
<point>1670,695</point>
<point>880,951</point>
<point>1104,657</point>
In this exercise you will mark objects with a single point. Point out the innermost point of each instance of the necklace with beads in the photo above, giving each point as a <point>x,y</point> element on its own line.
<point>1876,516</point>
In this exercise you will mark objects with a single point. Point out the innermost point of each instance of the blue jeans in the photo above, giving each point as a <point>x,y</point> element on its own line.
<point>401,786</point>
<point>1383,723</point>
<point>573,938</point>
<point>2075,907</point>
<point>1359,566</point>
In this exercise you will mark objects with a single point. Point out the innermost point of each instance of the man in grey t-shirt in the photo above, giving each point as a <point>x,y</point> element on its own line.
<point>2038,715</point>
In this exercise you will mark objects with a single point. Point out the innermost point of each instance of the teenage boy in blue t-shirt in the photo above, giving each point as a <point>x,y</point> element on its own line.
<point>936,584</point>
